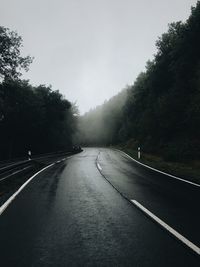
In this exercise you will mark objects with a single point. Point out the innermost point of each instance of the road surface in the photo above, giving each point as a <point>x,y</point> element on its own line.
<point>77,213</point>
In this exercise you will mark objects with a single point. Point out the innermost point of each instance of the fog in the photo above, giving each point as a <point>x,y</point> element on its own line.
<point>90,49</point>
<point>101,126</point>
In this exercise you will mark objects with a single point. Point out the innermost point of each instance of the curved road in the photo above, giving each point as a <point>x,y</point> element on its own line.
<point>71,215</point>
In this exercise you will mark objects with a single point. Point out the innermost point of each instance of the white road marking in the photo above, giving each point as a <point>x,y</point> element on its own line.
<point>8,202</point>
<point>170,175</point>
<point>14,173</point>
<point>63,159</point>
<point>66,158</point>
<point>184,240</point>
<point>99,167</point>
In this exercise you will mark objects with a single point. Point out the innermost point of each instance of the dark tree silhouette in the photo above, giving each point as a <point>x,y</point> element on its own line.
<point>35,118</point>
<point>162,110</point>
<point>11,61</point>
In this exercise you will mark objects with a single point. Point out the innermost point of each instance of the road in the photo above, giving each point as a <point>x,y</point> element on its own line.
<point>77,213</point>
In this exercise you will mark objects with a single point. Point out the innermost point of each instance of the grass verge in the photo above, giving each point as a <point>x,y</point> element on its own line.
<point>189,171</point>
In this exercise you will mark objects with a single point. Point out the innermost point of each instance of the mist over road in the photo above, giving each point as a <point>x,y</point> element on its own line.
<point>71,215</point>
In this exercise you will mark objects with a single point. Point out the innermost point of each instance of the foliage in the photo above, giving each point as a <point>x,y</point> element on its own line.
<point>162,110</point>
<point>11,61</point>
<point>35,118</point>
<point>101,125</point>
<point>31,118</point>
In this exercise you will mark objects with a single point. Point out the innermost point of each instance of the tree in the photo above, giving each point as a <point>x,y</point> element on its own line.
<point>161,111</point>
<point>101,125</point>
<point>35,118</point>
<point>11,61</point>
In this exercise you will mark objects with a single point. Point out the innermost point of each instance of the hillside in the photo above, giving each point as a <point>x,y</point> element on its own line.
<point>161,111</point>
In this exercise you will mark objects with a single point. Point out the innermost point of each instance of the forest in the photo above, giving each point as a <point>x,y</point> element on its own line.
<point>161,111</point>
<point>35,118</point>
<point>101,125</point>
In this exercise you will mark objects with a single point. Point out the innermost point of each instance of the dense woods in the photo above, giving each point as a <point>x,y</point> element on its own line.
<point>162,111</point>
<point>101,126</point>
<point>31,118</point>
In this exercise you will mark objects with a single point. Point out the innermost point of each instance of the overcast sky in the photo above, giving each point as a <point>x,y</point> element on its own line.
<point>90,49</point>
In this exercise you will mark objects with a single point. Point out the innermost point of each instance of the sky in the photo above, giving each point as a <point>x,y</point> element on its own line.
<point>90,50</point>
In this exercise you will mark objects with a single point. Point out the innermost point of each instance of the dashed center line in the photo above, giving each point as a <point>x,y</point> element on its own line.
<point>164,225</point>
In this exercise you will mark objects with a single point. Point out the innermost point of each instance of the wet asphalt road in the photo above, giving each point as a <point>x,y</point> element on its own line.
<point>70,215</point>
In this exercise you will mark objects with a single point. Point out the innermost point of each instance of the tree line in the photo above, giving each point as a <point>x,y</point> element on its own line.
<point>101,125</point>
<point>161,112</point>
<point>34,118</point>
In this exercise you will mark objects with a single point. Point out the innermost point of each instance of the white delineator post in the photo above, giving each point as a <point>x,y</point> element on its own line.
<point>139,154</point>
<point>29,155</point>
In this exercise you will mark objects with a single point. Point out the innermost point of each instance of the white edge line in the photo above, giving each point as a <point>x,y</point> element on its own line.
<point>67,158</point>
<point>7,203</point>
<point>170,175</point>
<point>167,227</point>
<point>63,159</point>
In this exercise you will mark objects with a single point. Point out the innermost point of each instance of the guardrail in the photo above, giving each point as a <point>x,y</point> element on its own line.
<point>6,163</point>
<point>14,168</point>
<point>8,171</point>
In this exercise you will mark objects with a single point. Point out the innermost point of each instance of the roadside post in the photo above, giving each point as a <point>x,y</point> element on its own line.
<point>139,154</point>
<point>29,155</point>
